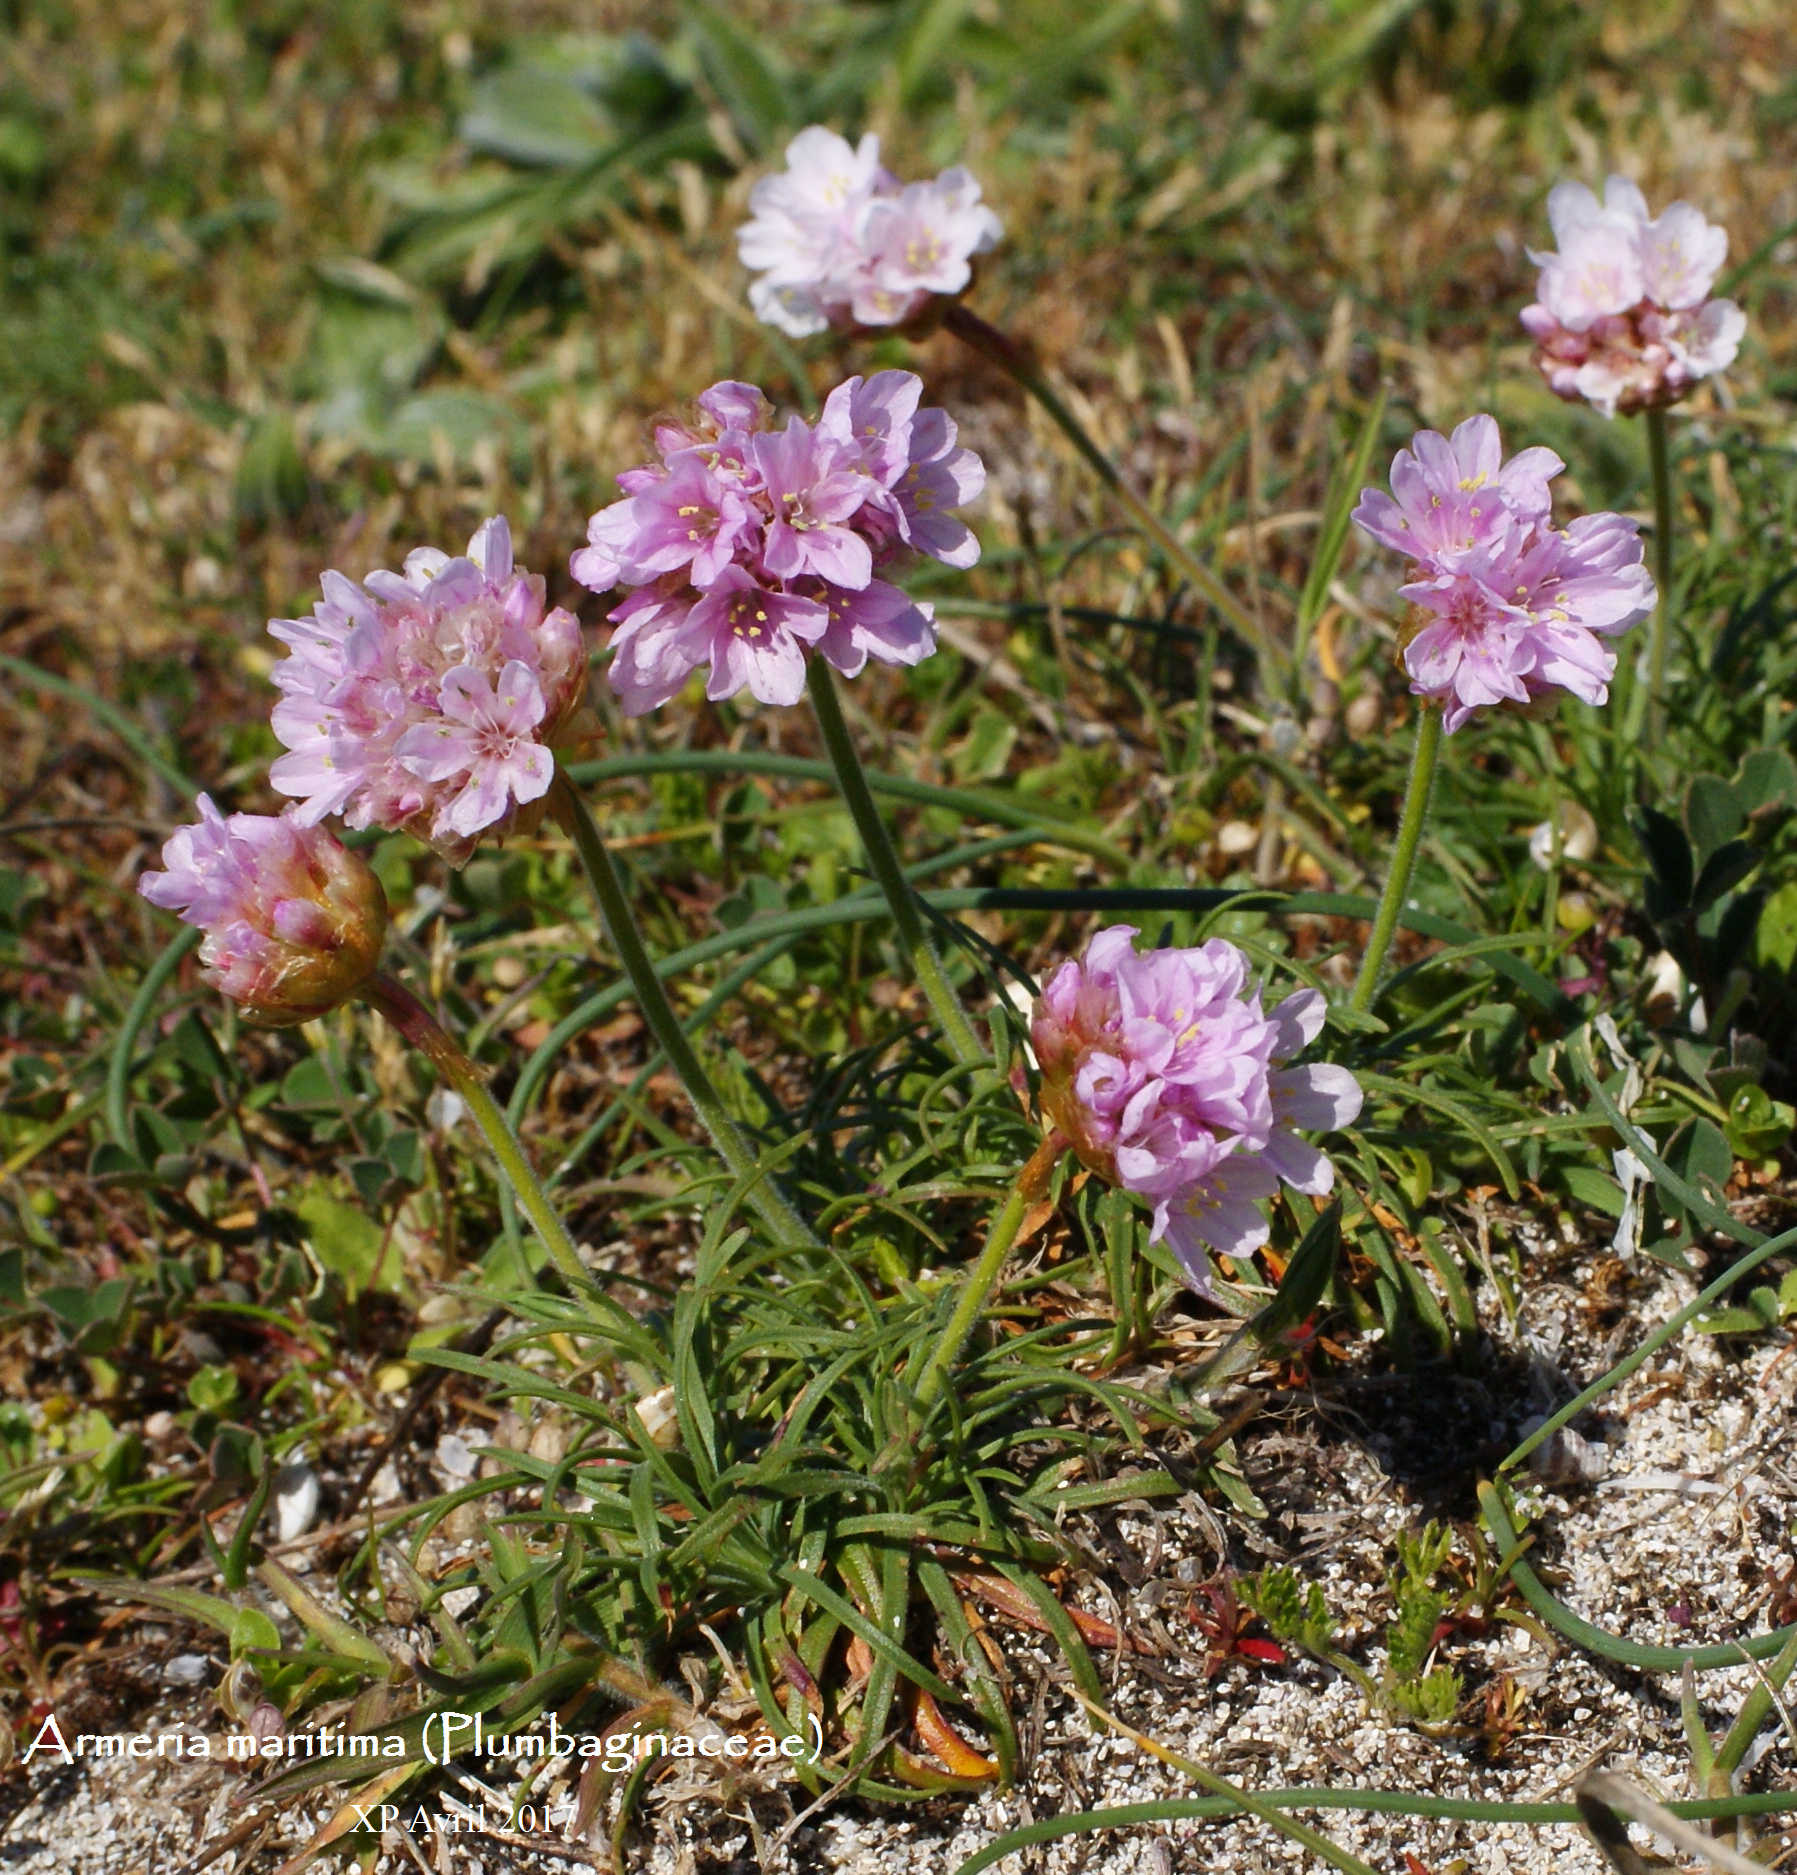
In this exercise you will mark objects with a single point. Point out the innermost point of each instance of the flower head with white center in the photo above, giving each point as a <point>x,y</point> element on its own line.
<point>1165,1077</point>
<point>294,921</point>
<point>1506,607</point>
<point>836,240</point>
<point>1623,318</point>
<point>747,547</point>
<point>430,700</point>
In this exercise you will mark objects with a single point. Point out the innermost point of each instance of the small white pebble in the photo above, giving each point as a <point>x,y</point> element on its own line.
<point>455,1456</point>
<point>296,1500</point>
<point>1235,837</point>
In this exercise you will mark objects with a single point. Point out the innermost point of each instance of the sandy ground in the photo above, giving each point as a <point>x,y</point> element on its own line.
<point>1684,1535</point>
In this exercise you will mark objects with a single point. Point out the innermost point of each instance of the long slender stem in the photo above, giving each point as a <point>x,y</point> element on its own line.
<point>1016,363</point>
<point>1206,1779</point>
<point>976,1292</point>
<point>783,1222</point>
<point>445,1054</point>
<point>1507,1541</point>
<point>982,1279</point>
<point>1335,1797</point>
<point>1403,858</point>
<point>914,939</point>
<point>1660,628</point>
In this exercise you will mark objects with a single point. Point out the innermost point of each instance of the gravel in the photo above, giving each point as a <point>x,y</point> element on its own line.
<point>1667,1516</point>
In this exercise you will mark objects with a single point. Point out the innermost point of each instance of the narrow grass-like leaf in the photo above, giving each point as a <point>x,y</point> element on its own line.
<point>1004,810</point>
<point>1404,1092</point>
<point>188,1604</point>
<point>123,726</point>
<point>1058,1622</point>
<point>1345,485</point>
<point>124,1044</point>
<point>807,1587</point>
<point>1606,1800</point>
<point>1699,1207</point>
<point>1335,1797</point>
<point>315,1618</point>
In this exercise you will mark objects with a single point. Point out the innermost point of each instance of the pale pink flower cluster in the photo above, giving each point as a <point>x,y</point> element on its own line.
<point>1623,316</point>
<point>1163,1074</point>
<point>750,547</point>
<point>837,240</point>
<point>1506,606</point>
<point>428,700</point>
<point>294,921</point>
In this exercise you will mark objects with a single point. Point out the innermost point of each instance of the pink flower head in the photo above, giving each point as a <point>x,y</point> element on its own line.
<point>1623,317</point>
<point>294,921</point>
<point>747,547</point>
<point>837,240</point>
<point>1506,607</point>
<point>429,700</point>
<point>1164,1075</point>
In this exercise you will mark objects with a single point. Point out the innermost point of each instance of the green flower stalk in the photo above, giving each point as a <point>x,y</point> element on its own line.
<point>1648,709</point>
<point>982,1280</point>
<point>783,1223</point>
<point>1403,858</point>
<point>416,1023</point>
<point>763,556</point>
<point>1505,610</point>
<point>1017,364</point>
<point>914,940</point>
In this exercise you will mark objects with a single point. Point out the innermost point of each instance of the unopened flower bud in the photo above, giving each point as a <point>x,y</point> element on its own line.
<point>294,921</point>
